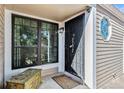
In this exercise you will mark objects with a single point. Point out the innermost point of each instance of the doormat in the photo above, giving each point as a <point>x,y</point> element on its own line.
<point>65,82</point>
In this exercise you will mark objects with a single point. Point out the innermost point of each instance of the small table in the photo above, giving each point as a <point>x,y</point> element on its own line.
<point>29,79</point>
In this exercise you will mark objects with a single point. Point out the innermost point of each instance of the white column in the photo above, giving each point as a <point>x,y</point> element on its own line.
<point>90,48</point>
<point>61,45</point>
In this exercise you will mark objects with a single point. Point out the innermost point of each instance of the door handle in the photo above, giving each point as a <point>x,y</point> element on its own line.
<point>70,46</point>
<point>73,43</point>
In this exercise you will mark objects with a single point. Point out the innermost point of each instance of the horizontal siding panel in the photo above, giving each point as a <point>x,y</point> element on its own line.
<point>2,16</point>
<point>117,26</point>
<point>107,74</point>
<point>107,43</point>
<point>107,59</point>
<point>112,22</point>
<point>1,34</point>
<point>1,46</point>
<point>114,30</point>
<point>99,65</point>
<point>98,17</point>
<point>2,9</point>
<point>1,23</point>
<point>112,41</point>
<point>1,31</point>
<point>114,35</point>
<point>109,54</point>
<point>103,84</point>
<point>1,20</point>
<point>105,81</point>
<point>99,69</point>
<point>1,43</point>
<point>120,31</point>
<point>109,49</point>
<point>114,38</point>
<point>108,46</point>
<point>99,14</point>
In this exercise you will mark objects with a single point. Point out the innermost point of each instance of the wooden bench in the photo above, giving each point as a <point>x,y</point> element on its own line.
<point>29,79</point>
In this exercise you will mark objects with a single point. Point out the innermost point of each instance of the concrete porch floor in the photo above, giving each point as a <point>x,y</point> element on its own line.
<point>117,83</point>
<point>49,83</point>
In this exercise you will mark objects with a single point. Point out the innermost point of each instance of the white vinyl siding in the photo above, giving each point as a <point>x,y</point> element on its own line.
<point>1,43</point>
<point>109,54</point>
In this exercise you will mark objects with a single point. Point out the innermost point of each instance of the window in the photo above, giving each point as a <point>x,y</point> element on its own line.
<point>34,42</point>
<point>105,29</point>
<point>48,43</point>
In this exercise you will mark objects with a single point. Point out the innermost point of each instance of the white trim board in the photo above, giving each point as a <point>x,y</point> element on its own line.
<point>89,50</point>
<point>31,16</point>
<point>61,49</point>
<point>74,16</point>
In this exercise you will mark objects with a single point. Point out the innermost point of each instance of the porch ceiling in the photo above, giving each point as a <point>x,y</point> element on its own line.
<point>57,12</point>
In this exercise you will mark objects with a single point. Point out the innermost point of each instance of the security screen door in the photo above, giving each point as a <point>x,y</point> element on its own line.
<point>74,46</point>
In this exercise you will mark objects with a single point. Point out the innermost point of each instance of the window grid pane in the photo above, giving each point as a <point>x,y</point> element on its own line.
<point>26,42</point>
<point>49,39</point>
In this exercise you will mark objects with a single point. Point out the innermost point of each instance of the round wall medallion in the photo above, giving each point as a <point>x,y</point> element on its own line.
<point>105,29</point>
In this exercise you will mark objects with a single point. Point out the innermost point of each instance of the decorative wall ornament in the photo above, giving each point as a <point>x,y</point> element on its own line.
<point>105,29</point>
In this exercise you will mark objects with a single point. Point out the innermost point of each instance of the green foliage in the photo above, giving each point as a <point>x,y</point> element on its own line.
<point>27,36</point>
